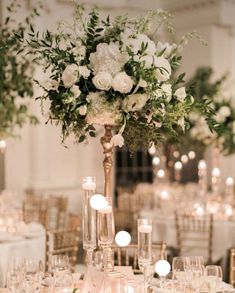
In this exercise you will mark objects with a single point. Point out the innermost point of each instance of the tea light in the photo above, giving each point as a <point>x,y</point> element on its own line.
<point>192,155</point>
<point>123,238</point>
<point>228,210</point>
<point>162,268</point>
<point>176,154</point>
<point>178,167</point>
<point>215,180</point>
<point>202,165</point>
<point>216,172</point>
<point>184,159</point>
<point>200,211</point>
<point>98,202</point>
<point>164,195</point>
<point>89,183</point>
<point>3,144</point>
<point>156,161</point>
<point>161,173</point>
<point>145,228</point>
<point>229,181</point>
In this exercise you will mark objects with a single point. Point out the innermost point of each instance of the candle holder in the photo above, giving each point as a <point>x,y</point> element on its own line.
<point>89,219</point>
<point>144,248</point>
<point>202,177</point>
<point>106,233</point>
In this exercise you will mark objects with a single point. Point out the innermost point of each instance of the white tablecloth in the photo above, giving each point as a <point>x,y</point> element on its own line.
<point>164,230</point>
<point>26,248</point>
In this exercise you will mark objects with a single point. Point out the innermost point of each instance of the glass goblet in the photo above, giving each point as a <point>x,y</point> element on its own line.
<point>212,276</point>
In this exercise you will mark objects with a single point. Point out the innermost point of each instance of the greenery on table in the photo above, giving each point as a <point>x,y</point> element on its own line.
<point>116,72</point>
<point>16,70</point>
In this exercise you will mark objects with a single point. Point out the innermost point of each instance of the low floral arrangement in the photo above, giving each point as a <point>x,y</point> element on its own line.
<point>118,73</point>
<point>223,136</point>
<point>16,84</point>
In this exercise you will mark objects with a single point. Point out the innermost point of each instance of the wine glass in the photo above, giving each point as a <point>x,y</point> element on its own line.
<point>180,268</point>
<point>197,277</point>
<point>145,248</point>
<point>212,278</point>
<point>14,279</point>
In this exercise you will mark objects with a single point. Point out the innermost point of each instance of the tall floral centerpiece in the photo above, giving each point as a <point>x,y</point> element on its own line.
<point>16,70</point>
<point>116,73</point>
<point>223,117</point>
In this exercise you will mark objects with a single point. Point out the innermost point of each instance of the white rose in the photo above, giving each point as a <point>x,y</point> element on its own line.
<point>180,94</point>
<point>50,84</point>
<point>84,71</point>
<point>122,83</point>
<point>134,102</point>
<point>75,90</point>
<point>148,61</point>
<point>82,110</point>
<point>117,140</point>
<point>102,81</point>
<point>163,71</point>
<point>70,75</point>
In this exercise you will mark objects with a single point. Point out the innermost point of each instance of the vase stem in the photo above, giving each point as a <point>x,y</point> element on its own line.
<point>107,163</point>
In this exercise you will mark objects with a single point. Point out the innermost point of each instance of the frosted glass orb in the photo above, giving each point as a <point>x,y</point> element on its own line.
<point>98,202</point>
<point>123,238</point>
<point>162,268</point>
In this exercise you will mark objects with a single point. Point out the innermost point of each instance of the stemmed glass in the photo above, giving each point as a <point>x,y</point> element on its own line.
<point>145,248</point>
<point>106,233</point>
<point>89,219</point>
<point>180,268</point>
<point>213,277</point>
<point>15,274</point>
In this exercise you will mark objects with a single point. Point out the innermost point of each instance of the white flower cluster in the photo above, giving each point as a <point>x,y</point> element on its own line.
<point>119,74</point>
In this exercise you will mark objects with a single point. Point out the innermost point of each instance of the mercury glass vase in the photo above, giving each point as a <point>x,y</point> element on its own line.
<point>89,219</point>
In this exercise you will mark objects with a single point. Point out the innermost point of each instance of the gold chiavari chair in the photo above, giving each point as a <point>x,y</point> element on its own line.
<point>34,209</point>
<point>128,256</point>
<point>232,267</point>
<point>194,233</point>
<point>56,212</point>
<point>63,241</point>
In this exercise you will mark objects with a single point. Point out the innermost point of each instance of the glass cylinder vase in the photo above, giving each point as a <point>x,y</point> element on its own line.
<point>106,233</point>
<point>89,219</point>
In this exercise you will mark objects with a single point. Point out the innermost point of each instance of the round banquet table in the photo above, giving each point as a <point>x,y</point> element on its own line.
<point>32,248</point>
<point>164,230</point>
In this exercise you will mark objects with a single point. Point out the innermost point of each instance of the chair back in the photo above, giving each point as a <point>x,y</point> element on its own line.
<point>56,215</point>
<point>194,233</point>
<point>34,209</point>
<point>62,242</point>
<point>128,256</point>
<point>232,267</point>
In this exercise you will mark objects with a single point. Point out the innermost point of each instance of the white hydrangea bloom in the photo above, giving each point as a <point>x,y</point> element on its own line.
<point>102,112</point>
<point>84,71</point>
<point>107,58</point>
